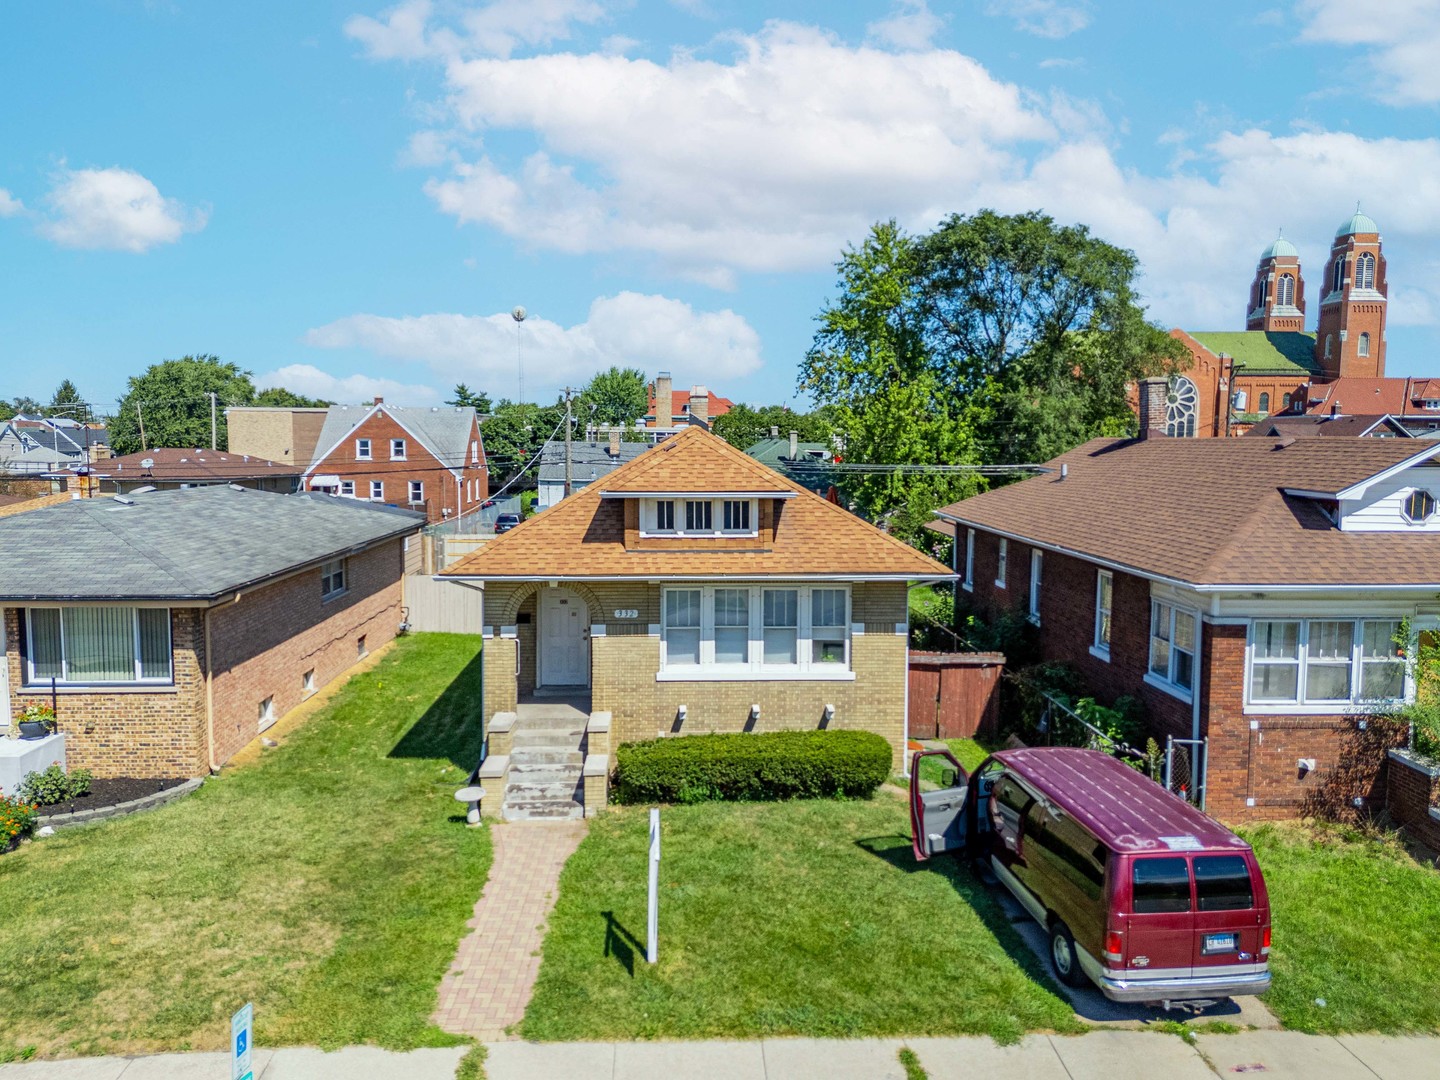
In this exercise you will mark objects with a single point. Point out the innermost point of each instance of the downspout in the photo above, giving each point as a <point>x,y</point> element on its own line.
<point>905,729</point>
<point>209,697</point>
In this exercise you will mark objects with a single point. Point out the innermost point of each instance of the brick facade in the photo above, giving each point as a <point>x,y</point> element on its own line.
<point>625,659</point>
<point>1412,796</point>
<point>261,646</point>
<point>1252,771</point>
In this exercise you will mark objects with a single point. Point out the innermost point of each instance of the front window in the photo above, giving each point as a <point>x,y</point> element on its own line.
<point>1104,605</point>
<point>1326,662</point>
<point>737,515</point>
<point>397,449</point>
<point>332,578</point>
<point>87,645</point>
<point>735,630</point>
<point>362,449</point>
<point>698,517</point>
<point>1172,646</point>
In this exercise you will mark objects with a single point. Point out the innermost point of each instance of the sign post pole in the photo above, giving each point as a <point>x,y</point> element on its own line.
<point>242,1039</point>
<point>652,926</point>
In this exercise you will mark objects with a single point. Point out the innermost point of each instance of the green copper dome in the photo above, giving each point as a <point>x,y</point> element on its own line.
<point>1280,249</point>
<point>1359,223</point>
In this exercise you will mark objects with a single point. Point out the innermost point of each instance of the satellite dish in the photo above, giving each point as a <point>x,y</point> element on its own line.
<point>148,463</point>
<point>518,313</point>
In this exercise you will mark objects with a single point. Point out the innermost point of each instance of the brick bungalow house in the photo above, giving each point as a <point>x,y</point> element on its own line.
<point>1247,591</point>
<point>692,586</point>
<point>431,460</point>
<point>170,628</point>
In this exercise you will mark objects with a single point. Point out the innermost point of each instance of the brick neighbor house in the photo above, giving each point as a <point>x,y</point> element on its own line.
<point>430,460</point>
<point>1247,591</point>
<point>693,586</point>
<point>170,628</point>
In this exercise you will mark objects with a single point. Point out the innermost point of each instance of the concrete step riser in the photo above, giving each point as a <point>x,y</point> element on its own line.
<point>552,758</point>
<point>569,722</point>
<point>544,774</point>
<point>571,811</point>
<point>548,740</point>
<point>542,792</point>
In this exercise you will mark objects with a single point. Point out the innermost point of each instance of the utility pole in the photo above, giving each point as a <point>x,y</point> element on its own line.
<point>213,440</point>
<point>140,419</point>
<point>568,469</point>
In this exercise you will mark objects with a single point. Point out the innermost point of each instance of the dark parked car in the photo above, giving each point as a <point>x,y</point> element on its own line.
<point>506,522</point>
<point>1140,892</point>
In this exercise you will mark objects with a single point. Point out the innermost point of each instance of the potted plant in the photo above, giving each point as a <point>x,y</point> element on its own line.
<point>37,720</point>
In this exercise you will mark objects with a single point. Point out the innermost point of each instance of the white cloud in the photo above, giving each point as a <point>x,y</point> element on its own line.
<point>405,32</point>
<point>9,204</point>
<point>629,329</point>
<point>1061,62</point>
<point>116,209</point>
<point>1043,18</point>
<point>910,25</point>
<point>310,381</point>
<point>1403,37</point>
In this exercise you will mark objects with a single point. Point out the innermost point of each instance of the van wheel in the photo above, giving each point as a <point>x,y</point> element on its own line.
<point>1063,957</point>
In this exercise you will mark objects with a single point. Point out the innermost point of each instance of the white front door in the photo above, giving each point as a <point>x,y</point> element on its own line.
<point>564,639</point>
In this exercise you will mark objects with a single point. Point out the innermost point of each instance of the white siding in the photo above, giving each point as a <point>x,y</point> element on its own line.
<point>1381,508</point>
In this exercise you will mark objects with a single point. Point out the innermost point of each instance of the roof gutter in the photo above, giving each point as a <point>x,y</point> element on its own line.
<point>662,579</point>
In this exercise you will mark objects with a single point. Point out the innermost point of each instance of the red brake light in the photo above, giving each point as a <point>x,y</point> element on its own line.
<point>1265,939</point>
<point>1114,946</point>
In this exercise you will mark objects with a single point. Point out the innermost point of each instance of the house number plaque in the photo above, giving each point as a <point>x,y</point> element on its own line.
<point>626,613</point>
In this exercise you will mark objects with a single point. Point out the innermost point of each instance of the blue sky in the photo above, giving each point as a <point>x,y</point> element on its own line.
<point>349,199</point>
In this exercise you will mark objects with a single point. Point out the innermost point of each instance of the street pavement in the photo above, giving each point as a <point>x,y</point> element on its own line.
<point>1109,1054</point>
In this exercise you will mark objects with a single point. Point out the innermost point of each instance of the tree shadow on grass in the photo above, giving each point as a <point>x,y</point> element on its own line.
<point>452,726</point>
<point>621,943</point>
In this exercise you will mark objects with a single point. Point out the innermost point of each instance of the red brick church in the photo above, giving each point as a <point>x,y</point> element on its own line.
<point>1275,367</point>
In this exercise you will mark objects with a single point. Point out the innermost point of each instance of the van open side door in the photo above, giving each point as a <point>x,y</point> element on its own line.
<point>938,817</point>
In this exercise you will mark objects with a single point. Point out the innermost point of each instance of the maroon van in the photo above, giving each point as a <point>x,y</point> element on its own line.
<point>1141,892</point>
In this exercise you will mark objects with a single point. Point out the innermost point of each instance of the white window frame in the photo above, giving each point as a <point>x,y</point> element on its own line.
<point>475,452</point>
<point>1167,681</point>
<point>329,572</point>
<point>1362,344</point>
<point>1037,581</point>
<point>398,444</point>
<point>347,489</point>
<point>362,450</point>
<point>1300,704</point>
<point>649,518</point>
<point>33,681</point>
<point>416,492</point>
<point>377,490</point>
<point>1100,644</point>
<point>755,668</point>
<point>1002,563</point>
<point>969,580</point>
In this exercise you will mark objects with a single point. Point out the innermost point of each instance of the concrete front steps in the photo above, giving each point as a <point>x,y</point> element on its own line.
<point>541,764</point>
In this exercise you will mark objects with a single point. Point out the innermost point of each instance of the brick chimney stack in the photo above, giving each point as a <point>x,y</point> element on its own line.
<point>1152,406</point>
<point>614,442</point>
<point>664,400</point>
<point>379,401</point>
<point>794,445</point>
<point>700,403</point>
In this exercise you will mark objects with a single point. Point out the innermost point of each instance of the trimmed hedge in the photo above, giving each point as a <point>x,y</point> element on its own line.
<point>746,767</point>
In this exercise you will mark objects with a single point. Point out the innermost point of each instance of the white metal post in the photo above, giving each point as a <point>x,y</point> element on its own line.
<point>652,925</point>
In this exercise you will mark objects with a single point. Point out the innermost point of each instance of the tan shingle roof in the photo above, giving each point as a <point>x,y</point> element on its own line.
<point>584,535</point>
<point>1212,511</point>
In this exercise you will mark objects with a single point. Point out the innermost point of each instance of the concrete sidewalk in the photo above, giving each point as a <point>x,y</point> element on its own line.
<point>1099,1055</point>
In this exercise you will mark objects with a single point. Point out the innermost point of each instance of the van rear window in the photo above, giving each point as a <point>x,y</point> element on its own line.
<point>1222,883</point>
<point>1160,886</point>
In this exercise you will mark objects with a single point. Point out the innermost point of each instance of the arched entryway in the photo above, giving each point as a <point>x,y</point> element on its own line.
<point>562,640</point>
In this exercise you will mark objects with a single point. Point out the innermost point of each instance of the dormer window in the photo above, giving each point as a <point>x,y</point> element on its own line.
<point>698,517</point>
<point>1419,506</point>
<point>737,515</point>
<point>665,515</point>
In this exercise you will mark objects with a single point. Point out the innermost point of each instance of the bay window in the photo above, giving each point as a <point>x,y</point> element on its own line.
<point>85,645</point>
<point>1331,663</point>
<point>1172,647</point>
<point>745,631</point>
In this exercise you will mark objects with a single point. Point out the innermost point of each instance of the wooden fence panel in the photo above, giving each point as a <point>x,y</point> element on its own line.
<point>954,695</point>
<point>446,607</point>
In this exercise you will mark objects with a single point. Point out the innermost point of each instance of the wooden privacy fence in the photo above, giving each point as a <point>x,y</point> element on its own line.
<point>447,607</point>
<point>954,695</point>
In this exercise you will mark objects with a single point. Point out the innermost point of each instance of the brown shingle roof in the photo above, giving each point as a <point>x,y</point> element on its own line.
<point>24,506</point>
<point>185,465</point>
<point>1212,511</point>
<point>584,535</point>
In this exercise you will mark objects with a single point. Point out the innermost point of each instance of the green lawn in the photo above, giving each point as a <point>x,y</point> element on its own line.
<point>1356,924</point>
<point>968,752</point>
<point>800,918</point>
<point>328,883</point>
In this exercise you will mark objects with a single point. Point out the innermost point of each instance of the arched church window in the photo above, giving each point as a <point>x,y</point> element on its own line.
<point>1337,275</point>
<point>1285,292</point>
<point>1264,404</point>
<point>1181,406</point>
<point>1329,343</point>
<point>1262,292</point>
<point>1365,271</point>
<point>1285,403</point>
<point>1363,349</point>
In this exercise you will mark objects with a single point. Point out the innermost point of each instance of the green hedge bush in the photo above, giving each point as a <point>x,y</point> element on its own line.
<point>746,767</point>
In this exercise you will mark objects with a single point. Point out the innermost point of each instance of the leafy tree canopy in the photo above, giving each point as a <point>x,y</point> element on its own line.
<point>463,397</point>
<point>172,400</point>
<point>616,396</point>
<point>66,401</point>
<point>515,431</point>
<point>994,339</point>
<point>277,397</point>
<point>745,425</point>
<point>22,404</point>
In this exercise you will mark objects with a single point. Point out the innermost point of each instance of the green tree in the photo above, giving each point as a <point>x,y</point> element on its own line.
<point>616,396</point>
<point>172,401</point>
<point>464,397</point>
<point>277,397</point>
<point>66,401</point>
<point>514,432</point>
<point>27,405</point>
<point>745,425</point>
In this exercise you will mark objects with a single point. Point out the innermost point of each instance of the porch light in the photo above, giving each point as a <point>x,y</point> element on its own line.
<point>754,712</point>
<point>681,712</point>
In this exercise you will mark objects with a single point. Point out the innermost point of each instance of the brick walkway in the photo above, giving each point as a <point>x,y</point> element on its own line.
<point>489,984</point>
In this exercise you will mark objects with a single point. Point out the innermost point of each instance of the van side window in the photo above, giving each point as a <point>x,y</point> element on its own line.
<point>1072,850</point>
<point>1009,801</point>
<point>1222,883</point>
<point>1161,886</point>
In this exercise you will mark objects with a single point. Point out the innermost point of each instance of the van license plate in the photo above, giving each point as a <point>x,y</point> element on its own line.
<point>1218,943</point>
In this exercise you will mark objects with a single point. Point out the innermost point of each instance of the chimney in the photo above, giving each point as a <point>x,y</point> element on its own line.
<point>1335,409</point>
<point>664,399</point>
<point>700,403</point>
<point>615,443</point>
<point>774,432</point>
<point>379,401</point>
<point>1152,406</point>
<point>794,445</point>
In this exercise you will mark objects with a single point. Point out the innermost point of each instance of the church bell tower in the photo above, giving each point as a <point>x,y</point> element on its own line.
<point>1350,340</point>
<point>1277,295</point>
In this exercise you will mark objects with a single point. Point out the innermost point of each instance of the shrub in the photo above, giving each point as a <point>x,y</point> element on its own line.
<point>741,766</point>
<point>54,786</point>
<point>17,817</point>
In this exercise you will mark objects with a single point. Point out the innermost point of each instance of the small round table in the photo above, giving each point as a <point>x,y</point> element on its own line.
<point>471,795</point>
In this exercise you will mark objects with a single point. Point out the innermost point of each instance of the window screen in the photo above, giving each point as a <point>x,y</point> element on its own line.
<point>1160,886</point>
<point>1222,883</point>
<point>781,630</point>
<point>732,626</point>
<point>682,626</point>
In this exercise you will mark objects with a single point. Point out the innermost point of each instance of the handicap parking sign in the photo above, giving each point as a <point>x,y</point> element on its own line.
<point>242,1026</point>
